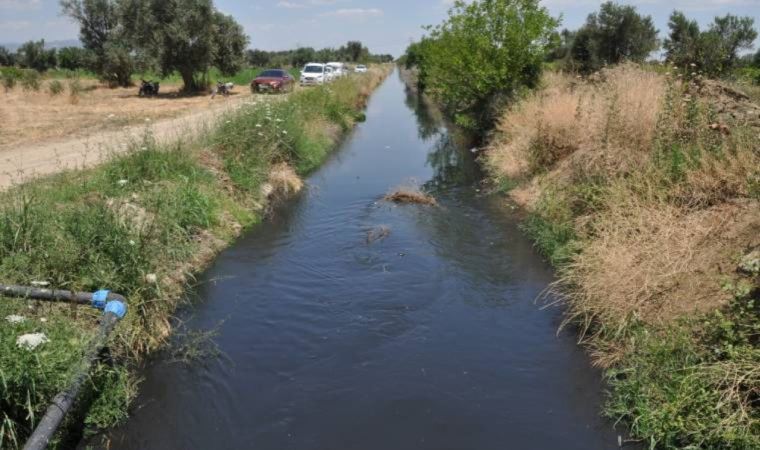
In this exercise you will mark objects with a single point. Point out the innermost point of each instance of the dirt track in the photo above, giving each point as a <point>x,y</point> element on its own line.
<point>21,163</point>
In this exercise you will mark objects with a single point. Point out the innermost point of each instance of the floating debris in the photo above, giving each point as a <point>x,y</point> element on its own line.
<point>378,233</point>
<point>410,194</point>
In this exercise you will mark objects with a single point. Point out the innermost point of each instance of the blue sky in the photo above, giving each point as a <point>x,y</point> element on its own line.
<point>385,26</point>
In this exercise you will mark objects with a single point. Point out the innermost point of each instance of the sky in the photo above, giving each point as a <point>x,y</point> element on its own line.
<point>385,26</point>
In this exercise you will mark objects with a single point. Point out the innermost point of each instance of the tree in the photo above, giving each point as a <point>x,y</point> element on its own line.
<point>715,51</point>
<point>258,58</point>
<point>731,34</point>
<point>230,42</point>
<point>33,55</point>
<point>6,57</point>
<point>302,56</point>
<point>186,36</point>
<point>483,53</point>
<point>616,33</point>
<point>354,50</point>
<point>682,47</point>
<point>100,32</point>
<point>73,58</point>
<point>756,60</point>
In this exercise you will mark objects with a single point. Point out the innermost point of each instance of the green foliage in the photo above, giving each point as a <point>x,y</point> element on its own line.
<point>7,58</point>
<point>680,392</point>
<point>10,76</point>
<point>55,87</point>
<point>482,55</point>
<point>31,80</point>
<point>551,226</point>
<point>33,55</point>
<point>187,36</point>
<point>101,34</point>
<point>75,58</point>
<point>715,51</point>
<point>615,34</point>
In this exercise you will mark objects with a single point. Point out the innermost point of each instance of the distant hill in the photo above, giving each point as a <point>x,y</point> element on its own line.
<point>13,46</point>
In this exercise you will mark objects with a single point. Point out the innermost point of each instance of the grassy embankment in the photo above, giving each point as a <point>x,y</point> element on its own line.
<point>644,190</point>
<point>140,225</point>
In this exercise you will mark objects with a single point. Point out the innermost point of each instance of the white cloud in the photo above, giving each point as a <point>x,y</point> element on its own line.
<point>15,25</point>
<point>359,13</point>
<point>290,5</point>
<point>20,5</point>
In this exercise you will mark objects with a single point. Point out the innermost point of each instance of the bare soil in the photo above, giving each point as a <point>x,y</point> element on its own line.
<point>42,134</point>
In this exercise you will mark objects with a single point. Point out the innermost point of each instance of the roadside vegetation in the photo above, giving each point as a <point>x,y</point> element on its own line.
<point>641,181</point>
<point>141,225</point>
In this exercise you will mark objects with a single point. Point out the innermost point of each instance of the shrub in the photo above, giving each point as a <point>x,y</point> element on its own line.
<point>10,77</point>
<point>482,55</point>
<point>55,87</point>
<point>30,80</point>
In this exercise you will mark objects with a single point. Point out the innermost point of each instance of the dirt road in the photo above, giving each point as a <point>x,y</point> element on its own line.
<point>23,162</point>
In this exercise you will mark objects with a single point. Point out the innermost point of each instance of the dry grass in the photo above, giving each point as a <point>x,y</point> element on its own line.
<point>604,126</point>
<point>410,194</point>
<point>655,262</point>
<point>283,181</point>
<point>31,117</point>
<point>657,242</point>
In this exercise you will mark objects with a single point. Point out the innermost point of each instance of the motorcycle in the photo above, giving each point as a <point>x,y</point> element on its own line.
<point>148,88</point>
<point>222,88</point>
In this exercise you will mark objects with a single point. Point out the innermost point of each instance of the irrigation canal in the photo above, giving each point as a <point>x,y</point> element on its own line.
<point>428,339</point>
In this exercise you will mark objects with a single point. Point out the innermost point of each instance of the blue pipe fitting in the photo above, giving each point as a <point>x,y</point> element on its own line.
<point>117,308</point>
<point>99,299</point>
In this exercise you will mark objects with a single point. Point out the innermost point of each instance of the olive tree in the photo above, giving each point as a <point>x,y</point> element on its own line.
<point>101,33</point>
<point>482,54</point>
<point>615,34</point>
<point>186,36</point>
<point>714,51</point>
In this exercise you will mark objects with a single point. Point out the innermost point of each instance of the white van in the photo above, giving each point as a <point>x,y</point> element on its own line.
<point>313,74</point>
<point>339,69</point>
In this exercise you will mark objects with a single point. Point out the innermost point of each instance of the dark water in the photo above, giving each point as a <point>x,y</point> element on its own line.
<point>429,339</point>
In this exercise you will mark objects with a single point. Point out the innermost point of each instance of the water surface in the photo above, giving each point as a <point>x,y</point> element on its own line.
<point>428,339</point>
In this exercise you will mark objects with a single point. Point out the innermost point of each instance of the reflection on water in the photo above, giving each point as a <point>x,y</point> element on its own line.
<point>427,339</point>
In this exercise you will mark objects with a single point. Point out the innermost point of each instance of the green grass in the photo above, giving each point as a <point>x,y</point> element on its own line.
<point>150,211</point>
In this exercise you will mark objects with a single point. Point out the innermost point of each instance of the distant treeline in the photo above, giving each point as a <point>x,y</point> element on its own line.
<point>187,37</point>
<point>353,51</point>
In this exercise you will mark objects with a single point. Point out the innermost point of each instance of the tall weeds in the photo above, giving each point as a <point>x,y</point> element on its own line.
<point>644,194</point>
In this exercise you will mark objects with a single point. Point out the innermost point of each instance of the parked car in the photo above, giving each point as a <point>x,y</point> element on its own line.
<point>330,74</point>
<point>273,80</point>
<point>313,74</point>
<point>339,69</point>
<point>361,68</point>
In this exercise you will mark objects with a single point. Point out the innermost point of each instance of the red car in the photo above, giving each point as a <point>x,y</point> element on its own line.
<point>274,80</point>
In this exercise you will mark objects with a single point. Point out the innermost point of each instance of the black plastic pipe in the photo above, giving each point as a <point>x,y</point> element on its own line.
<point>56,295</point>
<point>114,308</point>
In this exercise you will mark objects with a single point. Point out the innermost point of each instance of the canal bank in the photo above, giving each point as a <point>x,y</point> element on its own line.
<point>427,338</point>
<point>142,224</point>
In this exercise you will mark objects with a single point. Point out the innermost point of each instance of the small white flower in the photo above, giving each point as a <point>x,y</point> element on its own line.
<point>284,132</point>
<point>40,283</point>
<point>122,182</point>
<point>143,148</point>
<point>31,341</point>
<point>151,278</point>
<point>278,120</point>
<point>132,243</point>
<point>43,319</point>
<point>111,116</point>
<point>14,318</point>
<point>229,121</point>
<point>147,119</point>
<point>258,125</point>
<point>261,134</point>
